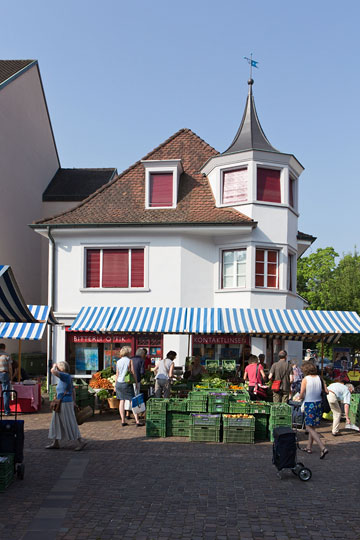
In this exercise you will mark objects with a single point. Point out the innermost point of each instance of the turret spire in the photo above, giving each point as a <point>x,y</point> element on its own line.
<point>250,135</point>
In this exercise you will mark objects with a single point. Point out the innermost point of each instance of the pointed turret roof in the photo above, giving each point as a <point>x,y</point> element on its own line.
<point>250,135</point>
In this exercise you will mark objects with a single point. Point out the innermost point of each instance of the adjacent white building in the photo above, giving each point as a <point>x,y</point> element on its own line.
<point>186,226</point>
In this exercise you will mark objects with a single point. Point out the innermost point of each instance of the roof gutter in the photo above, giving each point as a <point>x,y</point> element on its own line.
<point>39,226</point>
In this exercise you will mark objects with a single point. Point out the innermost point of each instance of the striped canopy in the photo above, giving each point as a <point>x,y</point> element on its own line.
<point>292,324</point>
<point>29,331</point>
<point>12,304</point>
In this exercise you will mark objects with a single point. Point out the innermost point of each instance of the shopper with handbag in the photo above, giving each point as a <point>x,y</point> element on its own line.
<point>125,379</point>
<point>63,425</point>
<point>282,377</point>
<point>164,370</point>
<point>253,373</point>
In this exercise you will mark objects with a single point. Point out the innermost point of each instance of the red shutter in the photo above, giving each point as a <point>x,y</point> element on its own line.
<point>268,185</point>
<point>137,268</point>
<point>291,192</point>
<point>93,268</point>
<point>161,190</point>
<point>234,186</point>
<point>115,268</point>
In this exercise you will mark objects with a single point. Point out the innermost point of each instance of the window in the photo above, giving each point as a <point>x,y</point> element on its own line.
<point>291,192</point>
<point>161,190</point>
<point>234,269</point>
<point>234,186</point>
<point>115,268</point>
<point>291,272</point>
<point>268,185</point>
<point>266,269</point>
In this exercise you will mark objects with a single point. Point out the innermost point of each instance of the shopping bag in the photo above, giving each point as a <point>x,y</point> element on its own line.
<point>275,387</point>
<point>138,404</point>
<point>83,414</point>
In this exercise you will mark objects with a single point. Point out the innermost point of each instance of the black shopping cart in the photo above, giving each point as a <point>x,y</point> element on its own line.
<point>12,437</point>
<point>284,453</point>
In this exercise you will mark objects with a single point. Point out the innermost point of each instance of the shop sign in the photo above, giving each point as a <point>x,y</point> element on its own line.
<point>98,338</point>
<point>220,340</point>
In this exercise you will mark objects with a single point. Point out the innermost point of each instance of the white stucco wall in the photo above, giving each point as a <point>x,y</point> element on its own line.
<point>28,161</point>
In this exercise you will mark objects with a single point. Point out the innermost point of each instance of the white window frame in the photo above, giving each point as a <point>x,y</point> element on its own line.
<point>222,251</point>
<point>104,247</point>
<point>266,250</point>
<point>166,166</point>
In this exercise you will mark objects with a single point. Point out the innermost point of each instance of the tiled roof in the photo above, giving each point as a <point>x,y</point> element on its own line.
<point>122,201</point>
<point>76,184</point>
<point>8,68</point>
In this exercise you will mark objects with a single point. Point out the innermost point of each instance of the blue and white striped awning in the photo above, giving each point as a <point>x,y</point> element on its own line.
<point>12,304</point>
<point>131,319</point>
<point>292,324</point>
<point>29,331</point>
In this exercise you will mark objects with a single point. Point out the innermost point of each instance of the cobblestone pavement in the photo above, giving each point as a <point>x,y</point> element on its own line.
<point>124,486</point>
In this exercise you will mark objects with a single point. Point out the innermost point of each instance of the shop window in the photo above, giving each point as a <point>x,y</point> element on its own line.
<point>291,192</point>
<point>115,268</point>
<point>268,185</point>
<point>266,268</point>
<point>234,186</point>
<point>161,190</point>
<point>234,269</point>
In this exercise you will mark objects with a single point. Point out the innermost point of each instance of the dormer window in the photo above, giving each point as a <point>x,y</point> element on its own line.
<point>268,185</point>
<point>234,186</point>
<point>162,183</point>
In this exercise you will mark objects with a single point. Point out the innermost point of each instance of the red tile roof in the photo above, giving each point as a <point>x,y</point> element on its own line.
<point>122,201</point>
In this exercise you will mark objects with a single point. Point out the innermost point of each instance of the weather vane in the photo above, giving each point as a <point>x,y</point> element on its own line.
<point>253,63</point>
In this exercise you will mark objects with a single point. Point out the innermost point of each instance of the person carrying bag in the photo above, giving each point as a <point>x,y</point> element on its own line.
<point>163,374</point>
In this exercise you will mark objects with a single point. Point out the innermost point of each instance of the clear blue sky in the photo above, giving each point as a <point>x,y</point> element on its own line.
<point>120,77</point>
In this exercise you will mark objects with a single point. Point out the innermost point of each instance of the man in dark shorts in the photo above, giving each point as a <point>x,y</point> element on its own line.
<point>281,371</point>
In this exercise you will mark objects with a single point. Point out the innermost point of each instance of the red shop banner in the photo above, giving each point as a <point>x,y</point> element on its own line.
<point>220,340</point>
<point>98,338</point>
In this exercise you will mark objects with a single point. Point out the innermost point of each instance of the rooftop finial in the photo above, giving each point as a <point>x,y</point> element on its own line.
<point>253,63</point>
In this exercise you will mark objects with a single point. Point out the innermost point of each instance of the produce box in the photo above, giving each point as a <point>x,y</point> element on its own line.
<point>6,470</point>
<point>174,431</point>
<point>157,404</point>
<point>239,420</point>
<point>218,402</point>
<point>204,434</point>
<point>238,408</point>
<point>240,434</point>
<point>212,365</point>
<point>156,415</point>
<point>177,404</point>
<point>261,427</point>
<point>155,428</point>
<point>280,414</point>
<point>259,407</point>
<point>197,402</point>
<point>229,365</point>
<point>235,395</point>
<point>178,419</point>
<point>205,420</point>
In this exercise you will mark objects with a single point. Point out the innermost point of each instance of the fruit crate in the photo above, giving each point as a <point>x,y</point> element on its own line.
<point>218,403</point>
<point>235,395</point>
<point>173,431</point>
<point>177,404</point>
<point>177,419</point>
<point>239,435</point>
<point>238,421</point>
<point>197,402</point>
<point>157,404</point>
<point>280,409</point>
<point>6,470</point>
<point>213,420</point>
<point>259,407</point>
<point>155,428</point>
<point>156,415</point>
<point>204,434</point>
<point>228,365</point>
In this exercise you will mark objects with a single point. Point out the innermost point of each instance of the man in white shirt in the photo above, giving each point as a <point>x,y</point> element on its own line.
<point>339,392</point>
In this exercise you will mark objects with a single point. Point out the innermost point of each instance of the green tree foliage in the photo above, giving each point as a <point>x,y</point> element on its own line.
<point>329,285</point>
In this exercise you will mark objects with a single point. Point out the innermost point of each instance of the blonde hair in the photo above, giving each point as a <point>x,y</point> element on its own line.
<point>125,351</point>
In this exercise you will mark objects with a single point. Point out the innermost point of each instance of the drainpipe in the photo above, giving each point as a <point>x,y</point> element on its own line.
<point>52,300</point>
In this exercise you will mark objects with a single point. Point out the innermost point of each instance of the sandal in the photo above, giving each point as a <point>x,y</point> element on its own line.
<point>124,424</point>
<point>307,450</point>
<point>52,446</point>
<point>323,453</point>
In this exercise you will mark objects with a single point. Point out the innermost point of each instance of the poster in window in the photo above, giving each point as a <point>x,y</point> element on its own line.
<point>86,358</point>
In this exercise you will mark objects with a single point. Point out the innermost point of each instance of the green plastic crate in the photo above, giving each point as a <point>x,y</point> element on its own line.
<point>238,406</point>
<point>240,435</point>
<point>273,426</point>
<point>159,416</point>
<point>155,428</point>
<point>212,365</point>
<point>259,408</point>
<point>52,392</point>
<point>177,419</point>
<point>204,434</point>
<point>197,402</point>
<point>178,431</point>
<point>235,396</point>
<point>157,404</point>
<point>230,421</point>
<point>280,421</point>
<point>280,409</point>
<point>229,365</point>
<point>213,420</point>
<point>177,404</point>
<point>355,418</point>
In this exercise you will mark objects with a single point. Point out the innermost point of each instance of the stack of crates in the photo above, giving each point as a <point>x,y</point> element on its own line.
<point>197,401</point>
<point>261,427</point>
<point>280,415</point>
<point>238,404</point>
<point>177,418</point>
<point>205,427</point>
<point>354,413</point>
<point>156,417</point>
<point>238,429</point>
<point>6,470</point>
<point>83,397</point>
<point>218,402</point>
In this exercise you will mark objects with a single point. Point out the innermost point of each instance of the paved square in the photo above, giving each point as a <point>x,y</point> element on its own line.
<point>125,486</point>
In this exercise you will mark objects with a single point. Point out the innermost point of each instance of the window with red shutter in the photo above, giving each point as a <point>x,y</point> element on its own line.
<point>161,190</point>
<point>291,192</point>
<point>137,268</point>
<point>115,268</point>
<point>268,185</point>
<point>93,268</point>
<point>234,188</point>
<point>266,268</point>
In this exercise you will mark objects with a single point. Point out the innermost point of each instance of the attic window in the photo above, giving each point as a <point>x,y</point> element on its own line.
<point>161,190</point>
<point>162,179</point>
<point>234,186</point>
<point>268,185</point>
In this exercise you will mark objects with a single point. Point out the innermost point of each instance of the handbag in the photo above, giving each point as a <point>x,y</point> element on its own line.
<point>325,406</point>
<point>55,405</point>
<point>83,414</point>
<point>260,390</point>
<point>138,404</point>
<point>129,377</point>
<point>275,387</point>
